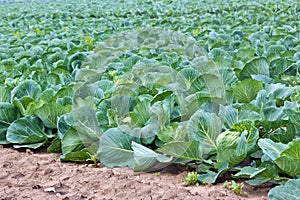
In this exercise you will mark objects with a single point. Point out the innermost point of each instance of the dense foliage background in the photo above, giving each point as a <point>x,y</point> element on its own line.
<point>147,83</point>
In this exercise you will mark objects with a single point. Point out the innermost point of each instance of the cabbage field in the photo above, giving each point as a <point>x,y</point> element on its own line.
<point>214,85</point>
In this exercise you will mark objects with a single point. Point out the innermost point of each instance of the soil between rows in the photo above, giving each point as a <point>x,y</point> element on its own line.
<point>28,175</point>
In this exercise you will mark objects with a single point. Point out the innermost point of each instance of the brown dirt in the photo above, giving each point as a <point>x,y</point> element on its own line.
<point>28,175</point>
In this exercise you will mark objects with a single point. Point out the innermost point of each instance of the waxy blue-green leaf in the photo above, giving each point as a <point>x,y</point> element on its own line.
<point>76,156</point>
<point>161,112</point>
<point>273,114</point>
<point>294,118</point>
<point>27,105</point>
<point>103,115</point>
<point>234,116</point>
<point>87,75</point>
<point>120,105</point>
<point>106,86</point>
<point>280,65</point>
<point>258,181</point>
<point>64,122</point>
<point>47,95</point>
<point>278,91</point>
<point>257,66</point>
<point>182,149</point>
<point>28,88</point>
<point>141,112</point>
<point>289,159</point>
<point>31,145</point>
<point>210,176</point>
<point>284,134</point>
<point>275,49</point>
<point>4,94</point>
<point>186,77</point>
<point>8,114</point>
<point>71,141</point>
<point>27,130</point>
<point>246,90</point>
<point>228,75</point>
<point>144,157</point>
<point>205,128</point>
<point>245,53</point>
<point>115,149</point>
<point>87,127</point>
<point>7,65</point>
<point>87,94</point>
<point>258,36</point>
<point>285,156</point>
<point>271,149</point>
<point>193,102</point>
<point>247,172</point>
<point>49,113</point>
<point>289,191</point>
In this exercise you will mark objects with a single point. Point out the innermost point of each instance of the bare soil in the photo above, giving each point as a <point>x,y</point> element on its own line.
<point>41,176</point>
